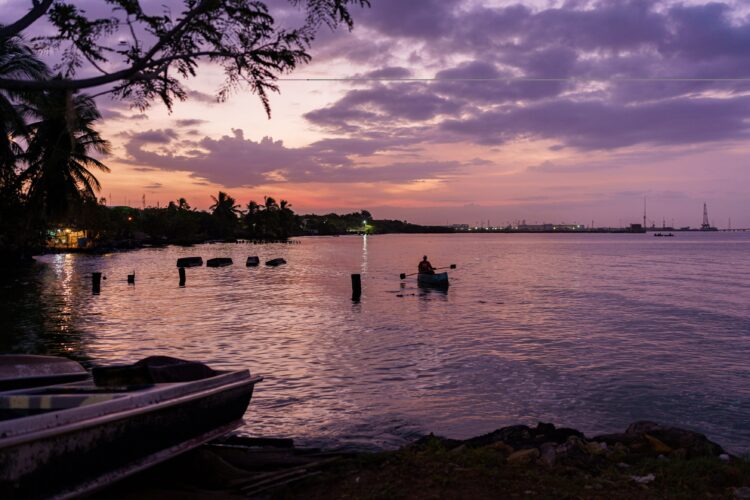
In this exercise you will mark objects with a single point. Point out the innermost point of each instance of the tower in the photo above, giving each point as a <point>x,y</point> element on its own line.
<point>706,226</point>
<point>644,212</point>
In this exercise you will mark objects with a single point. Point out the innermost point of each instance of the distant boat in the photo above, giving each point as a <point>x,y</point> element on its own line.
<point>275,262</point>
<point>219,262</point>
<point>436,280</point>
<point>189,261</point>
<point>252,261</point>
<point>69,439</point>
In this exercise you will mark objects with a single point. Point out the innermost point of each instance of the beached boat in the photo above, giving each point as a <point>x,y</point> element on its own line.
<point>219,262</point>
<point>252,261</point>
<point>275,262</point>
<point>437,279</point>
<point>18,371</point>
<point>189,261</point>
<point>67,439</point>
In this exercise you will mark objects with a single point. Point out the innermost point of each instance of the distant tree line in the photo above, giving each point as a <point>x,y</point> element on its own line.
<point>49,148</point>
<point>226,220</point>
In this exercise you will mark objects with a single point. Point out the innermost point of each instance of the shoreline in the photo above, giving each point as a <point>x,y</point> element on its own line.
<point>647,460</point>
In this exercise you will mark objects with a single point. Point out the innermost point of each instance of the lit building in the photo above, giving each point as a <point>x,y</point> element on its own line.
<point>67,238</point>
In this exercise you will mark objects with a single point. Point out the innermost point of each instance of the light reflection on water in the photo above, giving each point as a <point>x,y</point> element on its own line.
<point>590,331</point>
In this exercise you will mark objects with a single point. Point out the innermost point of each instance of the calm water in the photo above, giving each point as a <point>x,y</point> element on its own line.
<point>589,331</point>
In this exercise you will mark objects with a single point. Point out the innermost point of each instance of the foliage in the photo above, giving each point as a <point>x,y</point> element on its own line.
<point>156,50</point>
<point>60,144</point>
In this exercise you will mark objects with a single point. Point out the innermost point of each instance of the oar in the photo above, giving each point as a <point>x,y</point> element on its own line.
<point>404,275</point>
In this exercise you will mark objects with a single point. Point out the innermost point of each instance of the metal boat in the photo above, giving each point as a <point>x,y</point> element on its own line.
<point>67,439</point>
<point>18,371</point>
<point>436,280</point>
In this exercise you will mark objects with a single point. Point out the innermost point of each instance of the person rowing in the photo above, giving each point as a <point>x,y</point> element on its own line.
<point>425,267</point>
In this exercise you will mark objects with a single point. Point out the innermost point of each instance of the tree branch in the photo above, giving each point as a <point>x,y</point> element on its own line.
<point>37,11</point>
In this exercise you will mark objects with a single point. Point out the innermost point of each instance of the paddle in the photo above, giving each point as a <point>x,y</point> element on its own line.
<point>404,275</point>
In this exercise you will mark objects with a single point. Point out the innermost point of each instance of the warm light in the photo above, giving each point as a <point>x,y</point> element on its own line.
<point>129,218</point>
<point>67,230</point>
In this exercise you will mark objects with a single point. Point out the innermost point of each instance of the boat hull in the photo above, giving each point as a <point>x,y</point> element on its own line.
<point>439,280</point>
<point>68,456</point>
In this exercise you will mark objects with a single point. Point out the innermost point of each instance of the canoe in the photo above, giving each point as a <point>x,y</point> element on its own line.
<point>437,279</point>
<point>252,261</point>
<point>189,261</point>
<point>18,371</point>
<point>275,262</point>
<point>65,440</point>
<point>219,262</point>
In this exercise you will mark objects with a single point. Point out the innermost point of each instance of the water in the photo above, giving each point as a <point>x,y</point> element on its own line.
<point>588,331</point>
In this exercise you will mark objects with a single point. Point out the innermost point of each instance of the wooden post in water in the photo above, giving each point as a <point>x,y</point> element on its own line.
<point>96,283</point>
<point>356,287</point>
<point>131,278</point>
<point>182,276</point>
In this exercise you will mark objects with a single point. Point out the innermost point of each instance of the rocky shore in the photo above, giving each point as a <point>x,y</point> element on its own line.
<point>647,460</point>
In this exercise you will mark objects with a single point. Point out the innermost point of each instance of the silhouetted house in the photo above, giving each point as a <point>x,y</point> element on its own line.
<point>68,237</point>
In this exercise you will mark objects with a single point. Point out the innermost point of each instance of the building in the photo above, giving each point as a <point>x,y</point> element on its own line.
<point>67,238</point>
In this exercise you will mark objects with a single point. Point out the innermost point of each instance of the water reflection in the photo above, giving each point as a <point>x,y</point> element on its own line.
<point>39,311</point>
<point>590,331</point>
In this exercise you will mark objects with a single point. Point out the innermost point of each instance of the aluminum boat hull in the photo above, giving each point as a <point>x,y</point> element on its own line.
<point>68,452</point>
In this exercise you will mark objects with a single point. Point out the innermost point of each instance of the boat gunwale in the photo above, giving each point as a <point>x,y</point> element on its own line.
<point>73,419</point>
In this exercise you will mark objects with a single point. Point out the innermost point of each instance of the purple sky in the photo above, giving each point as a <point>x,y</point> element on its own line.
<point>539,110</point>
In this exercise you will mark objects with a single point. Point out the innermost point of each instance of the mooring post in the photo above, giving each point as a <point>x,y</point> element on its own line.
<point>96,283</point>
<point>182,276</point>
<point>131,278</point>
<point>356,287</point>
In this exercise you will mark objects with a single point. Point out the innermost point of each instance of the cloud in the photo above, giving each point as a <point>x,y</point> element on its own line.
<point>190,122</point>
<point>234,161</point>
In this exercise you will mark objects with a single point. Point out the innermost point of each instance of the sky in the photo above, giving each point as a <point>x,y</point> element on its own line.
<point>543,111</point>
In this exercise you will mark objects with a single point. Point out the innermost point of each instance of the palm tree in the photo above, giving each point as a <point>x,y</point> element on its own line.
<point>224,206</point>
<point>58,154</point>
<point>16,61</point>
<point>225,214</point>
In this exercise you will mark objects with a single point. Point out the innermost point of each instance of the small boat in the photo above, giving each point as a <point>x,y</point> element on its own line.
<point>219,262</point>
<point>252,261</point>
<point>436,280</point>
<point>275,262</point>
<point>189,262</point>
<point>69,439</point>
<point>18,371</point>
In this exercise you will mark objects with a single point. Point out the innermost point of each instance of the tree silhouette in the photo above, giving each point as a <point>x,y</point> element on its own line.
<point>157,50</point>
<point>58,155</point>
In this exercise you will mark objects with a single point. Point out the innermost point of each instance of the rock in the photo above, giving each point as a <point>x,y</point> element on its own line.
<point>521,457</point>
<point>651,438</point>
<point>433,441</point>
<point>517,436</point>
<point>595,448</point>
<point>724,457</point>
<point>657,445</point>
<point>505,449</point>
<point>742,493</point>
<point>643,479</point>
<point>522,436</point>
<point>547,454</point>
